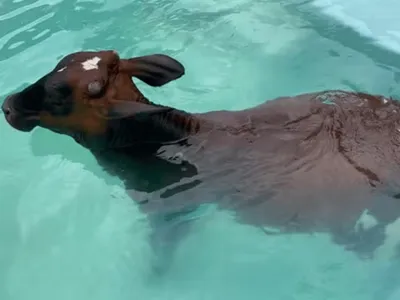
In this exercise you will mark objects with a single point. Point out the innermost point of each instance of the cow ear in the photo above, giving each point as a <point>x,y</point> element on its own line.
<point>154,70</point>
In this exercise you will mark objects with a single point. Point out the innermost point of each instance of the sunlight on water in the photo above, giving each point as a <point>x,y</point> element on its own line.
<point>374,20</point>
<point>68,230</point>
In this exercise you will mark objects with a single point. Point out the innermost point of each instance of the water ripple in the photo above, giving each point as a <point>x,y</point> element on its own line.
<point>68,230</point>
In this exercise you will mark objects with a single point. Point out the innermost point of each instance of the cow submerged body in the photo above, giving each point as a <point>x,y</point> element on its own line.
<point>318,162</point>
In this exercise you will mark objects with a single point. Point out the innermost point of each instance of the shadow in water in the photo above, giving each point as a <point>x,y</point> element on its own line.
<point>137,175</point>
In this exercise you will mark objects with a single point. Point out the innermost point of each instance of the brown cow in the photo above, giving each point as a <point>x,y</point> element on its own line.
<point>319,162</point>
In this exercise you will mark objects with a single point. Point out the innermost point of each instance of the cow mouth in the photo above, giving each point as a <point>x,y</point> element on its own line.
<point>19,119</point>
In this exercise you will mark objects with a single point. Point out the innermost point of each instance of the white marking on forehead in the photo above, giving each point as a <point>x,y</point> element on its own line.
<point>366,221</point>
<point>91,63</point>
<point>62,69</point>
<point>385,100</point>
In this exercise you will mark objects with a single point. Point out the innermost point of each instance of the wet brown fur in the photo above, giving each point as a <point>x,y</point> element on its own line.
<point>295,164</point>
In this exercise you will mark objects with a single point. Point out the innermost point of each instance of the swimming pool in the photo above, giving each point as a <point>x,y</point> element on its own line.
<point>68,231</point>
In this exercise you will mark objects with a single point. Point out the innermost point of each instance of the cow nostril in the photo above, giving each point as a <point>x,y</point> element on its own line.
<point>5,110</point>
<point>6,106</point>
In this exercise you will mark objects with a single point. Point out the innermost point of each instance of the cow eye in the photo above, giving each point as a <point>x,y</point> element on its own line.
<point>95,88</point>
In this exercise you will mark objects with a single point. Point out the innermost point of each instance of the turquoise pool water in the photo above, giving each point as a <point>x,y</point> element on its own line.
<point>68,231</point>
